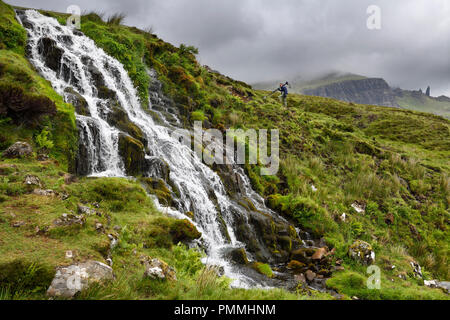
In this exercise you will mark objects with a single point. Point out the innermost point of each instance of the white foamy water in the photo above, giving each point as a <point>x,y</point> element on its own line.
<point>197,183</point>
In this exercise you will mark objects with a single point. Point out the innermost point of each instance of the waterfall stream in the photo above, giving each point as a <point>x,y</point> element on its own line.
<point>86,69</point>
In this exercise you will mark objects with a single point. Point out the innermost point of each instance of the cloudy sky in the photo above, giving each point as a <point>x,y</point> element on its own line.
<point>259,40</point>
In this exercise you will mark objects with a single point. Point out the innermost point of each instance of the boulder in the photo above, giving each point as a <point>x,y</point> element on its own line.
<point>51,53</point>
<point>70,219</point>
<point>310,275</point>
<point>69,178</point>
<point>417,269</point>
<point>119,119</point>
<point>45,193</point>
<point>77,100</point>
<point>363,252</point>
<point>319,254</point>
<point>444,285</point>
<point>158,269</point>
<point>31,180</point>
<point>358,207</point>
<point>18,150</point>
<point>132,153</point>
<point>300,278</point>
<point>238,256</point>
<point>81,209</point>
<point>68,281</point>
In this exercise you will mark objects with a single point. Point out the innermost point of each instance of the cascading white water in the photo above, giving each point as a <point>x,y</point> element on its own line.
<point>192,178</point>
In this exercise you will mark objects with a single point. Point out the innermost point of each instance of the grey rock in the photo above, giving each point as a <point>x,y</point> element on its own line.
<point>31,180</point>
<point>70,219</point>
<point>157,269</point>
<point>45,193</point>
<point>68,281</point>
<point>363,252</point>
<point>18,150</point>
<point>85,210</point>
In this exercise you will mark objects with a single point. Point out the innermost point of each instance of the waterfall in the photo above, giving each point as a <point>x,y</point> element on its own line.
<point>81,68</point>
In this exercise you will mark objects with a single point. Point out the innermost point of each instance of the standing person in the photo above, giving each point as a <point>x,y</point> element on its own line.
<point>284,93</point>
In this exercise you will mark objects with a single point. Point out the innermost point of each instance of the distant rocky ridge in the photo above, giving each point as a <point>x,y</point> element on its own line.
<point>372,91</point>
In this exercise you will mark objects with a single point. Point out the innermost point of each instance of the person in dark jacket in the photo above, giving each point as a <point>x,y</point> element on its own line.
<point>284,93</point>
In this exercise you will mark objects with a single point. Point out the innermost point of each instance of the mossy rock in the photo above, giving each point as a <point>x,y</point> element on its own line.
<point>190,214</point>
<point>238,256</point>
<point>296,265</point>
<point>183,231</point>
<point>161,190</point>
<point>119,118</point>
<point>77,100</point>
<point>132,153</point>
<point>263,268</point>
<point>303,254</point>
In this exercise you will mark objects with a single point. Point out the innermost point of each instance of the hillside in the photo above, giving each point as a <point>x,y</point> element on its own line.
<point>360,89</point>
<point>392,163</point>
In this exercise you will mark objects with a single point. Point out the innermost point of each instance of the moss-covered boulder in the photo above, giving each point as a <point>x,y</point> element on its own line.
<point>132,153</point>
<point>118,118</point>
<point>238,256</point>
<point>362,252</point>
<point>183,231</point>
<point>263,268</point>
<point>160,189</point>
<point>77,100</point>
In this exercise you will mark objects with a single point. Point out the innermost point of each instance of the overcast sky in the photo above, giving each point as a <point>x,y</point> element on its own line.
<point>259,40</point>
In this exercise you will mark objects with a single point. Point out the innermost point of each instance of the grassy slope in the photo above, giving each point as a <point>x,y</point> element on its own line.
<point>395,161</point>
<point>425,104</point>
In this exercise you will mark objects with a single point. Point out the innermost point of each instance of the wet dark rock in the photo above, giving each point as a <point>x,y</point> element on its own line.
<point>77,100</point>
<point>18,150</point>
<point>161,190</point>
<point>118,118</point>
<point>83,163</point>
<point>133,154</point>
<point>238,256</point>
<point>51,53</point>
<point>158,168</point>
<point>417,269</point>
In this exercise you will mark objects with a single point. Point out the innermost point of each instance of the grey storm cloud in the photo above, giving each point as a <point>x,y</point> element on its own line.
<point>260,40</point>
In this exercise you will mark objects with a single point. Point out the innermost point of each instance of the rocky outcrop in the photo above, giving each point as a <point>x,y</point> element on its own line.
<point>362,252</point>
<point>69,281</point>
<point>372,91</point>
<point>132,153</point>
<point>158,269</point>
<point>18,150</point>
<point>77,100</point>
<point>51,53</point>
